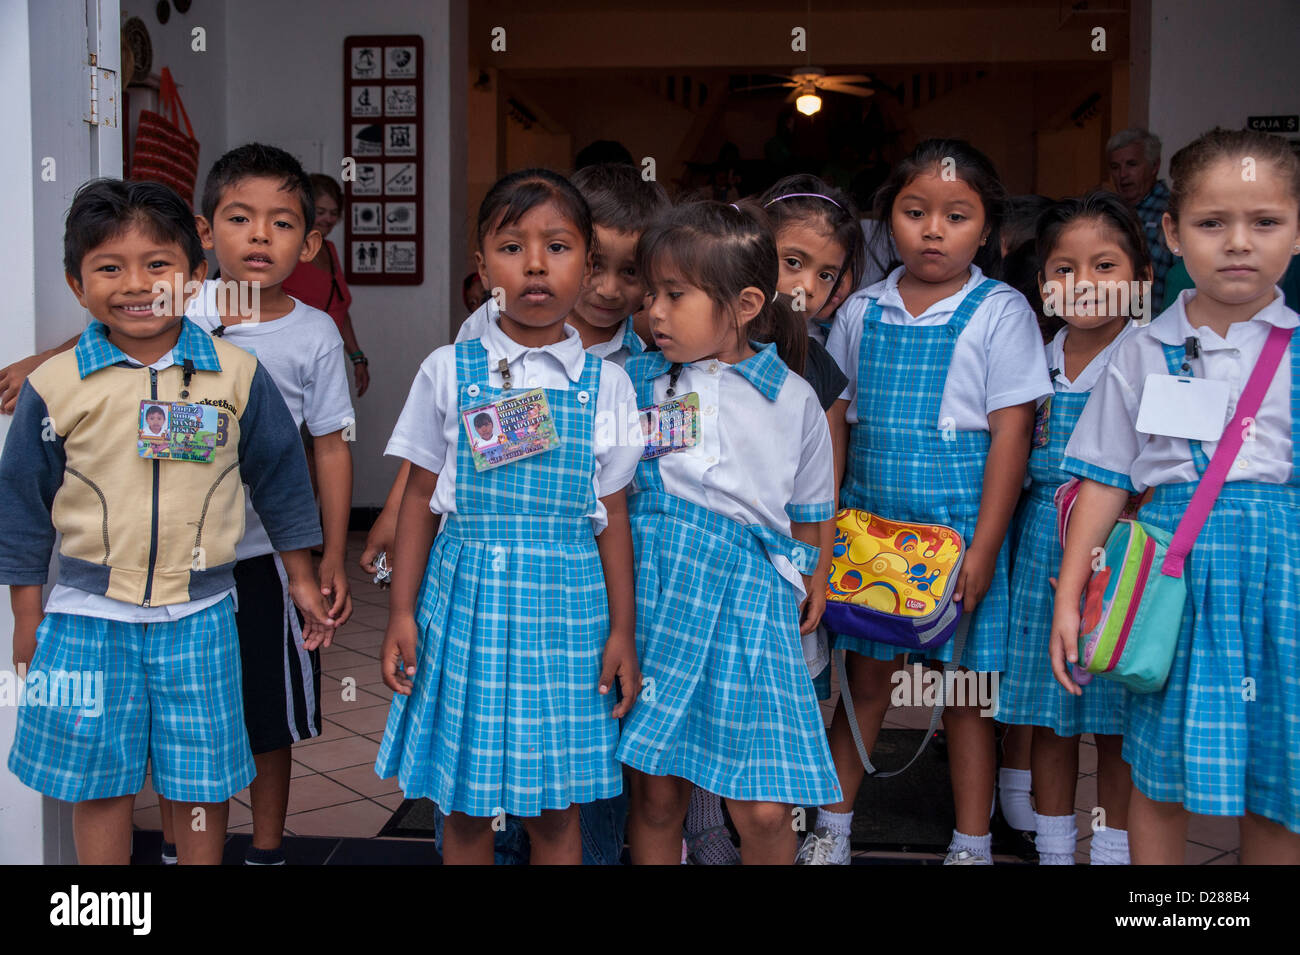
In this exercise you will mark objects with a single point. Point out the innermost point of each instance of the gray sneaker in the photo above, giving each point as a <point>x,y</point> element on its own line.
<point>966,857</point>
<point>823,847</point>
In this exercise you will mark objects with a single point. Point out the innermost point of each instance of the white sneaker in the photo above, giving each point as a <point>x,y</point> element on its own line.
<point>823,847</point>
<point>966,857</point>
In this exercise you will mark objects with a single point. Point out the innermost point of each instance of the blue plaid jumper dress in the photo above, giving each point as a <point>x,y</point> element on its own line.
<point>505,713</point>
<point>1223,736</point>
<point>904,466</point>
<point>728,703</point>
<point>1028,693</point>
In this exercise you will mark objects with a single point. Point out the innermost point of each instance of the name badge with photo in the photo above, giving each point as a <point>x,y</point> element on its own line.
<point>672,425</point>
<point>1043,424</point>
<point>510,430</point>
<point>179,431</point>
<point>1177,407</point>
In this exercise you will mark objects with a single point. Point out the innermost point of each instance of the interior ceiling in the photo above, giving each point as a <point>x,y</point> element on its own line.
<point>793,7</point>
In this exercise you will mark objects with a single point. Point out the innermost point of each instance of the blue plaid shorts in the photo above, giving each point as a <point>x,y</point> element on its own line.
<point>102,698</point>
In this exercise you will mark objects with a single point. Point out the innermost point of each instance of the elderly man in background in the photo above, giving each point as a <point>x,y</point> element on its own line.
<point>1134,157</point>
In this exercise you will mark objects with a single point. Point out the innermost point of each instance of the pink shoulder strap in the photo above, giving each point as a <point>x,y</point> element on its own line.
<point>1198,511</point>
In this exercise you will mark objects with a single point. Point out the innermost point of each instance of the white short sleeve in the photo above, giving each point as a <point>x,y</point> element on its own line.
<point>616,421</point>
<point>814,480</point>
<point>1016,371</point>
<point>1105,443</point>
<point>421,433</point>
<point>843,342</point>
<point>326,398</point>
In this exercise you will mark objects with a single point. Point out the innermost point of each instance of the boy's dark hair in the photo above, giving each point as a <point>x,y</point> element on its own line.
<point>602,151</point>
<point>970,166</point>
<point>515,195</point>
<point>255,160</point>
<point>619,198</point>
<point>1102,205</point>
<point>723,249</point>
<point>1190,162</point>
<point>809,201</point>
<point>152,409</point>
<point>1020,219</point>
<point>323,185</point>
<point>103,208</point>
<point>482,418</point>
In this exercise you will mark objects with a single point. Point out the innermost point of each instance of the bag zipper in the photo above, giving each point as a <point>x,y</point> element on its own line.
<point>1144,569</point>
<point>153,519</point>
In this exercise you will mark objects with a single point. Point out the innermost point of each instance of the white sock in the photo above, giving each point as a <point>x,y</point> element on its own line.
<point>840,823</point>
<point>1056,839</point>
<point>1109,847</point>
<point>975,845</point>
<point>1013,797</point>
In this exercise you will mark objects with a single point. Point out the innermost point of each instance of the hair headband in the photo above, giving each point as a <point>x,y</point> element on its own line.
<point>808,195</point>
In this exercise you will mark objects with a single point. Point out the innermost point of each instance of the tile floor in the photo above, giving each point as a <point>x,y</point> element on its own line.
<point>335,791</point>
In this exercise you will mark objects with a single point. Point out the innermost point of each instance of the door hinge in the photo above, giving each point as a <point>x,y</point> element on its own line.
<point>101,109</point>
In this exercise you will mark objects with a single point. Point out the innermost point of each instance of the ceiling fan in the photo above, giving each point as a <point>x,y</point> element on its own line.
<point>807,82</point>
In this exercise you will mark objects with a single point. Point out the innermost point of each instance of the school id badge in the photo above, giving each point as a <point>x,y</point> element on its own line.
<point>672,425</point>
<point>510,430</point>
<point>180,431</point>
<point>1043,424</point>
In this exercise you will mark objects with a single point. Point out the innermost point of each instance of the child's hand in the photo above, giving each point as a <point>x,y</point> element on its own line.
<point>334,588</point>
<point>620,661</point>
<point>380,541</point>
<point>25,641</point>
<point>397,653</point>
<point>811,610</point>
<point>11,381</point>
<point>318,625</point>
<point>1064,648</point>
<point>974,580</point>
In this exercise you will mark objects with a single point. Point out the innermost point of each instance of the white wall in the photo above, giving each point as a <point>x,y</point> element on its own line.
<point>43,53</point>
<point>284,82</point>
<point>20,807</point>
<point>1214,62</point>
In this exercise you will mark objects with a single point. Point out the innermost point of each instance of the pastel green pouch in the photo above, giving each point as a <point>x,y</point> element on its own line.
<point>1132,612</point>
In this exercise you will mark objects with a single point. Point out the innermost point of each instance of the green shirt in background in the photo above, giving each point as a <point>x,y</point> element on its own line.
<point>1177,279</point>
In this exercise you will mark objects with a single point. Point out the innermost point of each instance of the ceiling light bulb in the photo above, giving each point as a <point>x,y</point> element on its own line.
<point>808,103</point>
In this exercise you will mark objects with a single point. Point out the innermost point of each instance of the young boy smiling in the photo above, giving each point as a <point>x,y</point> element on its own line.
<point>148,550</point>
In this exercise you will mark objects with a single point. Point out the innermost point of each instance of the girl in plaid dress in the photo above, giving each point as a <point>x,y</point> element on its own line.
<point>819,245</point>
<point>1222,737</point>
<point>504,662</point>
<point>944,367</point>
<point>1089,251</point>
<point>725,519</point>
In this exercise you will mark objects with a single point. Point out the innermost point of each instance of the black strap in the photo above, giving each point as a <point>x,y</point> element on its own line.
<point>673,374</point>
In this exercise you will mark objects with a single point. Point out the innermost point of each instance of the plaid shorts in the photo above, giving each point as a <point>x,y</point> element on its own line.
<point>103,697</point>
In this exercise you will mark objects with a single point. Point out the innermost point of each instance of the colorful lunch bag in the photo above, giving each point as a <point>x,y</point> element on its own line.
<point>893,581</point>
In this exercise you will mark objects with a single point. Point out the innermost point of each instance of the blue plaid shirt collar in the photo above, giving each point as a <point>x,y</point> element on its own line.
<point>94,350</point>
<point>631,340</point>
<point>764,369</point>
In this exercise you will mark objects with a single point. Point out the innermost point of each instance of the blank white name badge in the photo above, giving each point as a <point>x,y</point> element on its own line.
<point>1177,407</point>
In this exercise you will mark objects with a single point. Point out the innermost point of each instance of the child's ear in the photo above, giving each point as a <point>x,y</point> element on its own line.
<point>74,283</point>
<point>749,303</point>
<point>205,232</point>
<point>310,246</point>
<point>1171,234</point>
<point>196,277</point>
